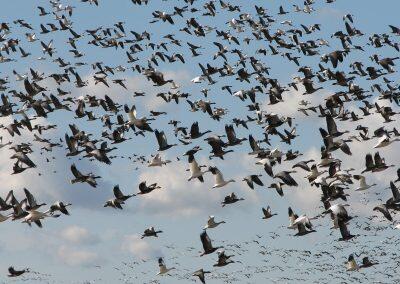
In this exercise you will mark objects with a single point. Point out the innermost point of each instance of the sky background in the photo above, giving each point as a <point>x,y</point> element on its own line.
<point>102,245</point>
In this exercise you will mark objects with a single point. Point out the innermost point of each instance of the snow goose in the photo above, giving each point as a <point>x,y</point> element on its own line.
<point>163,267</point>
<point>303,223</point>
<point>35,217</point>
<point>219,179</point>
<point>363,185</point>
<point>384,210</point>
<point>351,264</point>
<point>385,141</point>
<point>266,162</point>
<point>157,161</point>
<point>195,169</point>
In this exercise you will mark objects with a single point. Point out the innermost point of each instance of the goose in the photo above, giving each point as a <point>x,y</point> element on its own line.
<point>219,179</point>
<point>79,177</point>
<point>195,170</point>
<point>303,165</point>
<point>157,161</point>
<point>200,273</point>
<point>286,178</point>
<point>351,264</point>
<point>150,232</point>
<point>133,121</point>
<point>255,146</point>
<point>251,179</point>
<point>229,199</point>
<point>339,211</point>
<point>363,185</point>
<point>343,230</point>
<point>114,203</point>
<point>35,217</point>
<point>384,210</point>
<point>212,224</point>
<point>195,132</point>
<point>207,245</point>
<point>59,206</point>
<point>144,189</point>
<point>395,199</point>
<point>292,219</point>
<point>302,223</point>
<point>314,173</point>
<point>15,273</point>
<point>367,263</point>
<point>31,201</point>
<point>231,135</point>
<point>162,141</point>
<point>163,267</point>
<point>119,195</point>
<point>223,259</point>
<point>267,213</point>
<point>385,141</point>
<point>278,187</point>
<point>266,162</point>
<point>377,164</point>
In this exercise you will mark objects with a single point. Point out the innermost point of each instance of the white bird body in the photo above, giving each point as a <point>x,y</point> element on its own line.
<point>385,141</point>
<point>157,161</point>
<point>219,180</point>
<point>212,224</point>
<point>195,170</point>
<point>363,185</point>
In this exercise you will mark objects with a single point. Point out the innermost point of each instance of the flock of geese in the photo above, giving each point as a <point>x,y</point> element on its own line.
<point>364,86</point>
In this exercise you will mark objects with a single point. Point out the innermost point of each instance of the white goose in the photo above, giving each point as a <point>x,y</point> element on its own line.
<point>157,161</point>
<point>212,224</point>
<point>219,178</point>
<point>314,173</point>
<point>163,267</point>
<point>36,216</point>
<point>385,141</point>
<point>363,185</point>
<point>195,170</point>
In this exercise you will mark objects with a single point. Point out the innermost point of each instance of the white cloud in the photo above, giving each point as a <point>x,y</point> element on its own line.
<point>78,235</point>
<point>75,257</point>
<point>139,247</point>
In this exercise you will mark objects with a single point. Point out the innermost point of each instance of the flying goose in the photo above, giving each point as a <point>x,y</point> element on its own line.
<point>163,267</point>
<point>79,177</point>
<point>195,169</point>
<point>286,178</point>
<point>114,203</point>
<point>218,177</point>
<point>302,223</point>
<point>119,195</point>
<point>200,273</point>
<point>157,161</point>
<point>59,206</point>
<point>267,213</point>
<point>351,264</point>
<point>385,141</point>
<point>223,259</point>
<point>230,199</point>
<point>344,231</point>
<point>363,185</point>
<point>150,232</point>
<point>144,189</point>
<point>251,179</point>
<point>207,245</point>
<point>32,204</point>
<point>35,217</point>
<point>162,141</point>
<point>15,273</point>
<point>278,187</point>
<point>212,224</point>
<point>384,210</point>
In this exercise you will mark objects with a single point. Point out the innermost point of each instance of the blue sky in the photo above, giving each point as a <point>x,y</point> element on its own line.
<point>102,245</point>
